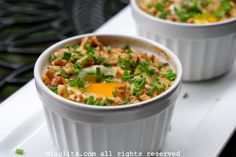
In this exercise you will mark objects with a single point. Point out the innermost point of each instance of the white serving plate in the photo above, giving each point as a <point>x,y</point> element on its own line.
<point>201,125</point>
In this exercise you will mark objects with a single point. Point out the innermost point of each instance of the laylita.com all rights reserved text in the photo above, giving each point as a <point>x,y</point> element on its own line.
<point>111,154</point>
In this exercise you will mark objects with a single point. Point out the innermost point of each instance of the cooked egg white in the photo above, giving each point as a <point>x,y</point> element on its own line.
<point>92,69</point>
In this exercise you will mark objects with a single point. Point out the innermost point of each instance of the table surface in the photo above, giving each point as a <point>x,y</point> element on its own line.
<point>202,123</point>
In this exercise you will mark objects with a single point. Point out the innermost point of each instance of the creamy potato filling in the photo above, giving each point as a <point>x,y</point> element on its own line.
<point>190,11</point>
<point>96,74</point>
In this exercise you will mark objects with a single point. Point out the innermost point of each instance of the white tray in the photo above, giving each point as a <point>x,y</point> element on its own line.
<point>201,125</point>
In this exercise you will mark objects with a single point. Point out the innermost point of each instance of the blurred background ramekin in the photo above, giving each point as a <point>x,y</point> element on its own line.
<point>84,128</point>
<point>205,50</point>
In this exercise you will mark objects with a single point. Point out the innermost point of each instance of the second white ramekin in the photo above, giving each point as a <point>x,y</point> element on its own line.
<point>206,51</point>
<point>85,128</point>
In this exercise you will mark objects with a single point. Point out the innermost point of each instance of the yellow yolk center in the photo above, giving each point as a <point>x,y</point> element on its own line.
<point>202,20</point>
<point>104,89</point>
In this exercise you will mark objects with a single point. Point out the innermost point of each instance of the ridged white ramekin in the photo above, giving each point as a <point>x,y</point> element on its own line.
<point>85,128</point>
<point>206,51</point>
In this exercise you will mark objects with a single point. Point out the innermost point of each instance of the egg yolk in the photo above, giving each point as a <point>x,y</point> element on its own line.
<point>104,89</point>
<point>205,19</point>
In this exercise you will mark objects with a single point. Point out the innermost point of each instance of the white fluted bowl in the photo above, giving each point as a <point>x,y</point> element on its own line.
<point>85,128</point>
<point>205,50</point>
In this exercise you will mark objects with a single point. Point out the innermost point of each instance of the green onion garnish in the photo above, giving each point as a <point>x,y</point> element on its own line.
<point>19,151</point>
<point>169,74</point>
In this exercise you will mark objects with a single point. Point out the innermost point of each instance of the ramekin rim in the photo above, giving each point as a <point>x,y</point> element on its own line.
<point>137,9</point>
<point>67,102</point>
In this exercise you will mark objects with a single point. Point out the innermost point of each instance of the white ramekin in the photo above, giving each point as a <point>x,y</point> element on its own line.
<point>205,50</point>
<point>86,128</point>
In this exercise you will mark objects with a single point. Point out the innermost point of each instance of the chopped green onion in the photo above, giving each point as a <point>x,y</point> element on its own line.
<point>63,73</point>
<point>98,71</point>
<point>163,15</point>
<point>182,13</point>
<point>107,102</point>
<point>86,59</point>
<point>67,55</point>
<point>52,57</point>
<point>143,66</point>
<point>79,82</point>
<point>109,78</point>
<point>76,66</point>
<point>99,60</point>
<point>127,47</point>
<point>92,101</point>
<point>151,91</point>
<point>60,56</point>
<point>54,89</point>
<point>99,75</point>
<point>19,151</point>
<point>125,64</point>
<point>77,71</point>
<point>114,93</point>
<point>77,57</point>
<point>158,86</point>
<point>160,6</point>
<point>155,78</point>
<point>169,74</point>
<point>155,85</point>
<point>126,100</point>
<point>139,84</point>
<point>89,48</point>
<point>128,76</point>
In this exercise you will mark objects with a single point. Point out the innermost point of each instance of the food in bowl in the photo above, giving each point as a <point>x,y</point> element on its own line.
<point>92,73</point>
<point>206,50</point>
<point>140,127</point>
<point>190,11</point>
